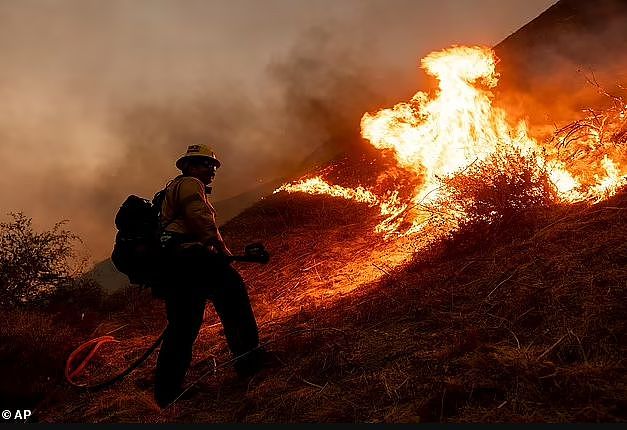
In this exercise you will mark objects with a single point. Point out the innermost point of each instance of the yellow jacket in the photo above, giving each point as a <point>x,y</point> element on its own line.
<point>186,210</point>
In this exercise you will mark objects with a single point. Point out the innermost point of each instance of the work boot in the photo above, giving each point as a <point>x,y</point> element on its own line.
<point>165,396</point>
<point>164,399</point>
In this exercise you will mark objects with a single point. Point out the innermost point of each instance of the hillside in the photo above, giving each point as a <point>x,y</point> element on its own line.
<point>522,321</point>
<point>545,66</point>
<point>528,328</point>
<point>570,35</point>
<point>537,63</point>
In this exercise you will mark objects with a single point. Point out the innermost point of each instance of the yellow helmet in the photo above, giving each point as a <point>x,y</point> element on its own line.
<point>200,151</point>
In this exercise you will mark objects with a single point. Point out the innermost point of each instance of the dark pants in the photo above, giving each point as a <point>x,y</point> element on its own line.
<point>196,278</point>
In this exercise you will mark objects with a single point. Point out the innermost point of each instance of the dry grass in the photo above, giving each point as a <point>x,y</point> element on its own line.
<point>530,328</point>
<point>33,347</point>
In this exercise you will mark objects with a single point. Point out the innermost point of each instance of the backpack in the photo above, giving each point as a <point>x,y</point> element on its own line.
<point>136,251</point>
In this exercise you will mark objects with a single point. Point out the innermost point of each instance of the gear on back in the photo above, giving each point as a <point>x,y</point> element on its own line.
<point>136,250</point>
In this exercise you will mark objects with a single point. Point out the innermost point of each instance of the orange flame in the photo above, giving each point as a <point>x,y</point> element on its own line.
<point>317,185</point>
<point>436,137</point>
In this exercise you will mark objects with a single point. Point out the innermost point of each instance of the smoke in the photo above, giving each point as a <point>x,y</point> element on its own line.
<point>85,137</point>
<point>100,98</point>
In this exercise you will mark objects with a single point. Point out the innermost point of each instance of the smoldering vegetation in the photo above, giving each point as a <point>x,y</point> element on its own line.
<point>518,320</point>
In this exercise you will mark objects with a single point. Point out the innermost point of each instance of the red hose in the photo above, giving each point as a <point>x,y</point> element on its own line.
<point>71,370</point>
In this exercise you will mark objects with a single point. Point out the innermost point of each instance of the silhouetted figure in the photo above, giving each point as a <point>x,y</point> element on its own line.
<point>195,271</point>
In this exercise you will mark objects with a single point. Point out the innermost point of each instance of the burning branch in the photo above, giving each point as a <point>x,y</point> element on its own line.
<point>593,130</point>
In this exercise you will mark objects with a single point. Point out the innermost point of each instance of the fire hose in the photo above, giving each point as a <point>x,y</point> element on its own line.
<point>71,371</point>
<point>253,253</point>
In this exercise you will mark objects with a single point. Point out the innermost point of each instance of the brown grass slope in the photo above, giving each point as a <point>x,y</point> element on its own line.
<point>569,35</point>
<point>544,66</point>
<point>527,327</point>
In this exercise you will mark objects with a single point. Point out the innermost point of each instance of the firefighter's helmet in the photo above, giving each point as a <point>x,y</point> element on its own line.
<point>197,151</point>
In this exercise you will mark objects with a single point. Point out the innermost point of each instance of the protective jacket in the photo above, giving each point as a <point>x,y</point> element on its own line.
<point>187,212</point>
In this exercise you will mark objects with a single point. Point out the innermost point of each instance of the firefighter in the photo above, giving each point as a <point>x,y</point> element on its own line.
<point>196,270</point>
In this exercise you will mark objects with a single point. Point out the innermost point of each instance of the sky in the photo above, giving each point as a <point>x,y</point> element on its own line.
<point>99,98</point>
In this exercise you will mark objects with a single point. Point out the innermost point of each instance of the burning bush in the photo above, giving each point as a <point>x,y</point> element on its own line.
<point>435,135</point>
<point>497,195</point>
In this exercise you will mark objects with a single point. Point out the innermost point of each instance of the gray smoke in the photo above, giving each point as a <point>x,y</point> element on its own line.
<point>99,98</point>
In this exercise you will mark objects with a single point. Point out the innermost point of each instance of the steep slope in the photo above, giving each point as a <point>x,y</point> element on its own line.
<point>569,35</point>
<point>529,326</point>
<point>545,66</point>
<point>540,65</point>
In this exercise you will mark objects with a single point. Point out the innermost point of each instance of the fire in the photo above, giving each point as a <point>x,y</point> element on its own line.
<point>608,185</point>
<point>438,136</point>
<point>317,185</point>
<point>390,206</point>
